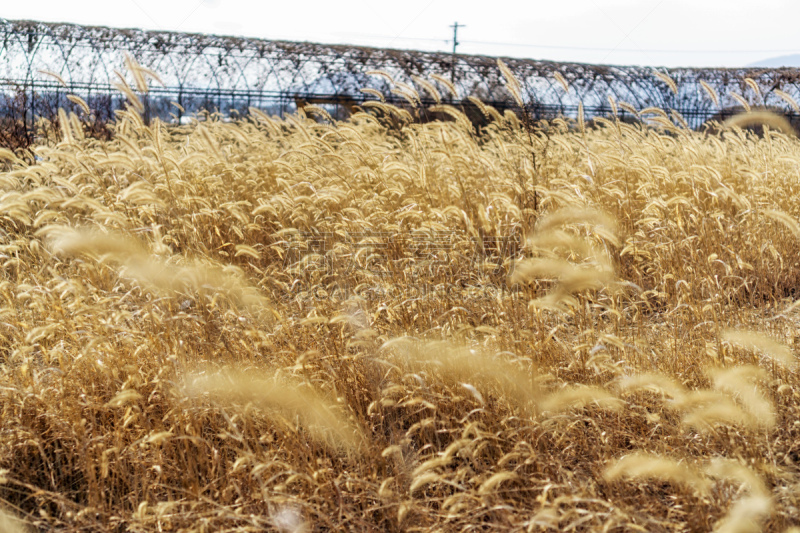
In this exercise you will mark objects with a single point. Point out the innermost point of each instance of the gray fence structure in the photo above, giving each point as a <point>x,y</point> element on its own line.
<point>230,73</point>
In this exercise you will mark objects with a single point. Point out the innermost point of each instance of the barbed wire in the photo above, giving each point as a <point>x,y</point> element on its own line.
<point>228,73</point>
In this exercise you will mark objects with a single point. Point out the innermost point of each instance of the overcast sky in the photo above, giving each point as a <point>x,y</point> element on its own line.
<point>643,32</point>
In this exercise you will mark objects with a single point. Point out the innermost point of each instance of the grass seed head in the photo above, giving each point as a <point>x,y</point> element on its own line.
<point>643,466</point>
<point>761,118</point>
<point>168,276</point>
<point>289,397</point>
<point>767,346</point>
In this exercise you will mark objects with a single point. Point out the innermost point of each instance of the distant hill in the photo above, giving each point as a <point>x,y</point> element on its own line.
<point>792,60</point>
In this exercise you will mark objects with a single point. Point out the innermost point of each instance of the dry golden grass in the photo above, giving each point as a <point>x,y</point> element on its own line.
<point>319,326</point>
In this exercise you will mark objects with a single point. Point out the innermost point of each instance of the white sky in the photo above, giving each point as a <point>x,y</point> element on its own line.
<point>642,32</point>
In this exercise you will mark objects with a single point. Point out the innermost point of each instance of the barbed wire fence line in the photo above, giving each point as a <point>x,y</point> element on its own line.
<point>231,75</point>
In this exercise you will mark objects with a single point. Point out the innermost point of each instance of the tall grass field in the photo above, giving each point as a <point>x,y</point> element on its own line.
<point>302,324</point>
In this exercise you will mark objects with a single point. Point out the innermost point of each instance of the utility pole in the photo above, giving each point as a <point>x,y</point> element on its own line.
<point>455,44</point>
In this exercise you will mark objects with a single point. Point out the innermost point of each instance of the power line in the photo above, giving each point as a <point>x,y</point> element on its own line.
<point>579,48</point>
<point>655,51</point>
<point>424,9</point>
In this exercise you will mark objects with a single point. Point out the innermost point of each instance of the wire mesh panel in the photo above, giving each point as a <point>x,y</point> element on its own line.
<point>228,73</point>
